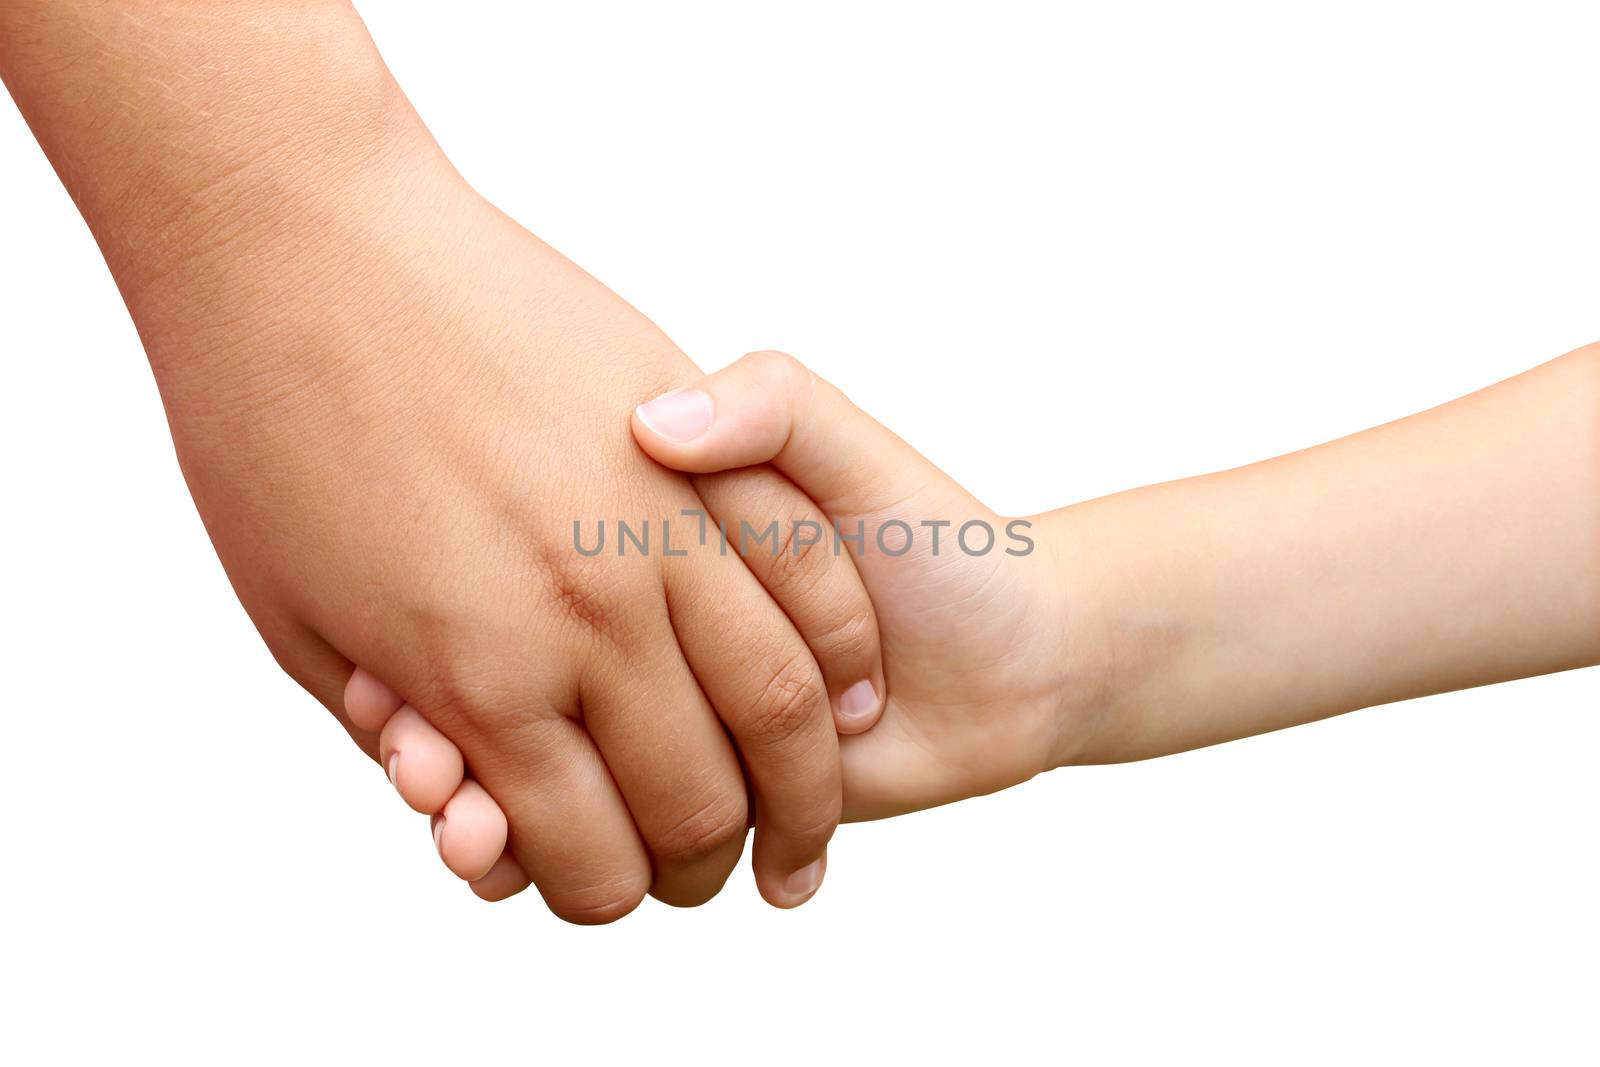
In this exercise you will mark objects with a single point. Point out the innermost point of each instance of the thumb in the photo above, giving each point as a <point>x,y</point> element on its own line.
<point>769,408</point>
<point>772,408</point>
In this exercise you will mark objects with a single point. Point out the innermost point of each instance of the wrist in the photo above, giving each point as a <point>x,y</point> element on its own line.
<point>1082,659</point>
<point>1123,629</point>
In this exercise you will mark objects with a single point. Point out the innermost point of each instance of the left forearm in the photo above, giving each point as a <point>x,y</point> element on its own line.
<point>186,131</point>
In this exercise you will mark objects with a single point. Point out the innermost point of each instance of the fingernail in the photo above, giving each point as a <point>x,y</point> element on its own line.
<point>681,415</point>
<point>804,882</point>
<point>438,833</point>
<point>858,701</point>
<point>394,769</point>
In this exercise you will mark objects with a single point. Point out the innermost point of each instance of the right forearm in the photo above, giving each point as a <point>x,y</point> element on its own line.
<point>1455,548</point>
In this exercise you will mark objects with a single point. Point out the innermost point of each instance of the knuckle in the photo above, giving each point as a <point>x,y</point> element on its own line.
<point>583,605</point>
<point>474,697</point>
<point>588,598</point>
<point>813,833</point>
<point>788,702</point>
<point>600,903</point>
<point>798,565</point>
<point>853,638</point>
<point>708,826</point>
<point>457,689</point>
<point>453,676</point>
<point>777,368</point>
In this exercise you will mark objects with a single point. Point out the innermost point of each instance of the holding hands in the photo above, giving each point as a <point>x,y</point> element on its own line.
<point>1177,615</point>
<point>986,681</point>
<point>397,411</point>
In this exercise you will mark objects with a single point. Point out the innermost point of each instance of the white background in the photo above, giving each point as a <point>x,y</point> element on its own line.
<point>1064,249</point>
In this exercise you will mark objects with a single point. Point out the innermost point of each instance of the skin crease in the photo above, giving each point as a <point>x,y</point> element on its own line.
<point>390,402</point>
<point>1454,548</point>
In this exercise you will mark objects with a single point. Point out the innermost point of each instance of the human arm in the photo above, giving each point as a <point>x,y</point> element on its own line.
<point>390,404</point>
<point>1454,548</point>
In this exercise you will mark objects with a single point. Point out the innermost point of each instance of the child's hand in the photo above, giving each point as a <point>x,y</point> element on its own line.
<point>979,661</point>
<point>1458,547</point>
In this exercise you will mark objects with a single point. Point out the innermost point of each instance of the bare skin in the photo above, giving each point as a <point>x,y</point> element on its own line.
<point>1455,548</point>
<point>391,403</point>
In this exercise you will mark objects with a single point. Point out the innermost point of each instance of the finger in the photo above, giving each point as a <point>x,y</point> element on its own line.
<point>767,690</point>
<point>423,765</point>
<point>470,833</point>
<point>672,761</point>
<point>505,879</point>
<point>768,407</point>
<point>817,587</point>
<point>369,702</point>
<point>570,830</point>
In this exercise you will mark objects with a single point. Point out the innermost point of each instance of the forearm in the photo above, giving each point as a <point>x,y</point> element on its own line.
<point>186,132</point>
<point>1455,548</point>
